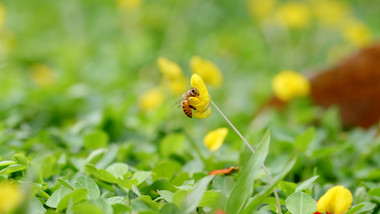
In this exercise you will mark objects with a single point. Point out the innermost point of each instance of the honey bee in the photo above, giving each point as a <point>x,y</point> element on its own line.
<point>185,101</point>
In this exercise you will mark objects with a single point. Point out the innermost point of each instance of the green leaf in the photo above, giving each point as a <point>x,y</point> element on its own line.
<point>141,176</point>
<point>259,197</point>
<point>95,140</point>
<point>12,168</point>
<point>89,184</point>
<point>36,207</point>
<point>118,169</point>
<point>76,196</point>
<point>374,192</point>
<point>179,197</point>
<point>7,163</point>
<point>65,183</point>
<point>302,142</point>
<point>301,203</point>
<point>83,208</point>
<point>169,208</point>
<point>100,174</point>
<point>210,199</point>
<point>166,169</point>
<point>171,144</point>
<point>243,188</point>
<point>103,204</point>
<point>195,196</point>
<point>287,187</point>
<point>306,184</point>
<point>167,195</point>
<point>355,209</point>
<point>57,196</point>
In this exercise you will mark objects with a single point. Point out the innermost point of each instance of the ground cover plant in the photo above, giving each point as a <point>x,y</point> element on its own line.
<point>93,116</point>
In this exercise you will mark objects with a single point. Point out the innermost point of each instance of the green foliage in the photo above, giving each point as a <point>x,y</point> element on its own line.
<point>301,203</point>
<point>74,137</point>
<point>243,187</point>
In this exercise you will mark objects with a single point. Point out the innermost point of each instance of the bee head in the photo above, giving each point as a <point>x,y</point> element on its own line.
<point>194,92</point>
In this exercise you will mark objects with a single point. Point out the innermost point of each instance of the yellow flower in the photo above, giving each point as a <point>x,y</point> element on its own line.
<point>42,75</point>
<point>129,4</point>
<point>260,8</point>
<point>209,72</point>
<point>2,15</point>
<point>202,102</point>
<point>289,84</point>
<point>10,196</point>
<point>331,13</point>
<point>151,99</point>
<point>337,200</point>
<point>214,139</point>
<point>357,33</point>
<point>295,14</point>
<point>173,75</point>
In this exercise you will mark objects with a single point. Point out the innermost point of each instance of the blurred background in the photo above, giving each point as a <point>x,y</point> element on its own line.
<point>70,67</point>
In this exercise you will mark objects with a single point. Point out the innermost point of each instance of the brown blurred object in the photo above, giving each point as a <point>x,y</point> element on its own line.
<point>353,86</point>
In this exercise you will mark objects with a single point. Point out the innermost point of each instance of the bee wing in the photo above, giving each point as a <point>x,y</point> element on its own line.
<point>178,102</point>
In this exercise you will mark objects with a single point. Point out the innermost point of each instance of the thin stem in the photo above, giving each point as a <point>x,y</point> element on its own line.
<point>199,153</point>
<point>253,151</point>
<point>229,122</point>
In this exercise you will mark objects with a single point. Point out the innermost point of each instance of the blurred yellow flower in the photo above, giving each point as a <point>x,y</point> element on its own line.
<point>261,8</point>
<point>295,14</point>
<point>42,75</point>
<point>2,15</point>
<point>173,75</point>
<point>202,102</point>
<point>356,32</point>
<point>151,99</point>
<point>129,4</point>
<point>214,139</point>
<point>331,12</point>
<point>209,72</point>
<point>289,84</point>
<point>337,200</point>
<point>10,196</point>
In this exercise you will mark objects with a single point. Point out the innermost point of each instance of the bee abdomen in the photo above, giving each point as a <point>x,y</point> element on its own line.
<point>187,109</point>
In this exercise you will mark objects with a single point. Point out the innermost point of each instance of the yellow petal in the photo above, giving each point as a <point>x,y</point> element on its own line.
<point>10,196</point>
<point>169,69</point>
<point>202,115</point>
<point>197,82</point>
<point>295,14</point>
<point>261,9</point>
<point>128,5</point>
<point>357,33</point>
<point>214,139</point>
<point>289,84</point>
<point>202,102</point>
<point>337,200</point>
<point>331,12</point>
<point>151,99</point>
<point>209,72</point>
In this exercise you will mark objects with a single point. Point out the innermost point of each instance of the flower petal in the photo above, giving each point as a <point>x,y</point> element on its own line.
<point>337,200</point>
<point>288,85</point>
<point>151,99</point>
<point>207,70</point>
<point>202,102</point>
<point>214,139</point>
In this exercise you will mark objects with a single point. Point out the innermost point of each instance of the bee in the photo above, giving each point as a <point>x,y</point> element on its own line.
<point>185,102</point>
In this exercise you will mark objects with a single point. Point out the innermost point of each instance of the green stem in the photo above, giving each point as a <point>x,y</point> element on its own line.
<point>196,149</point>
<point>253,151</point>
